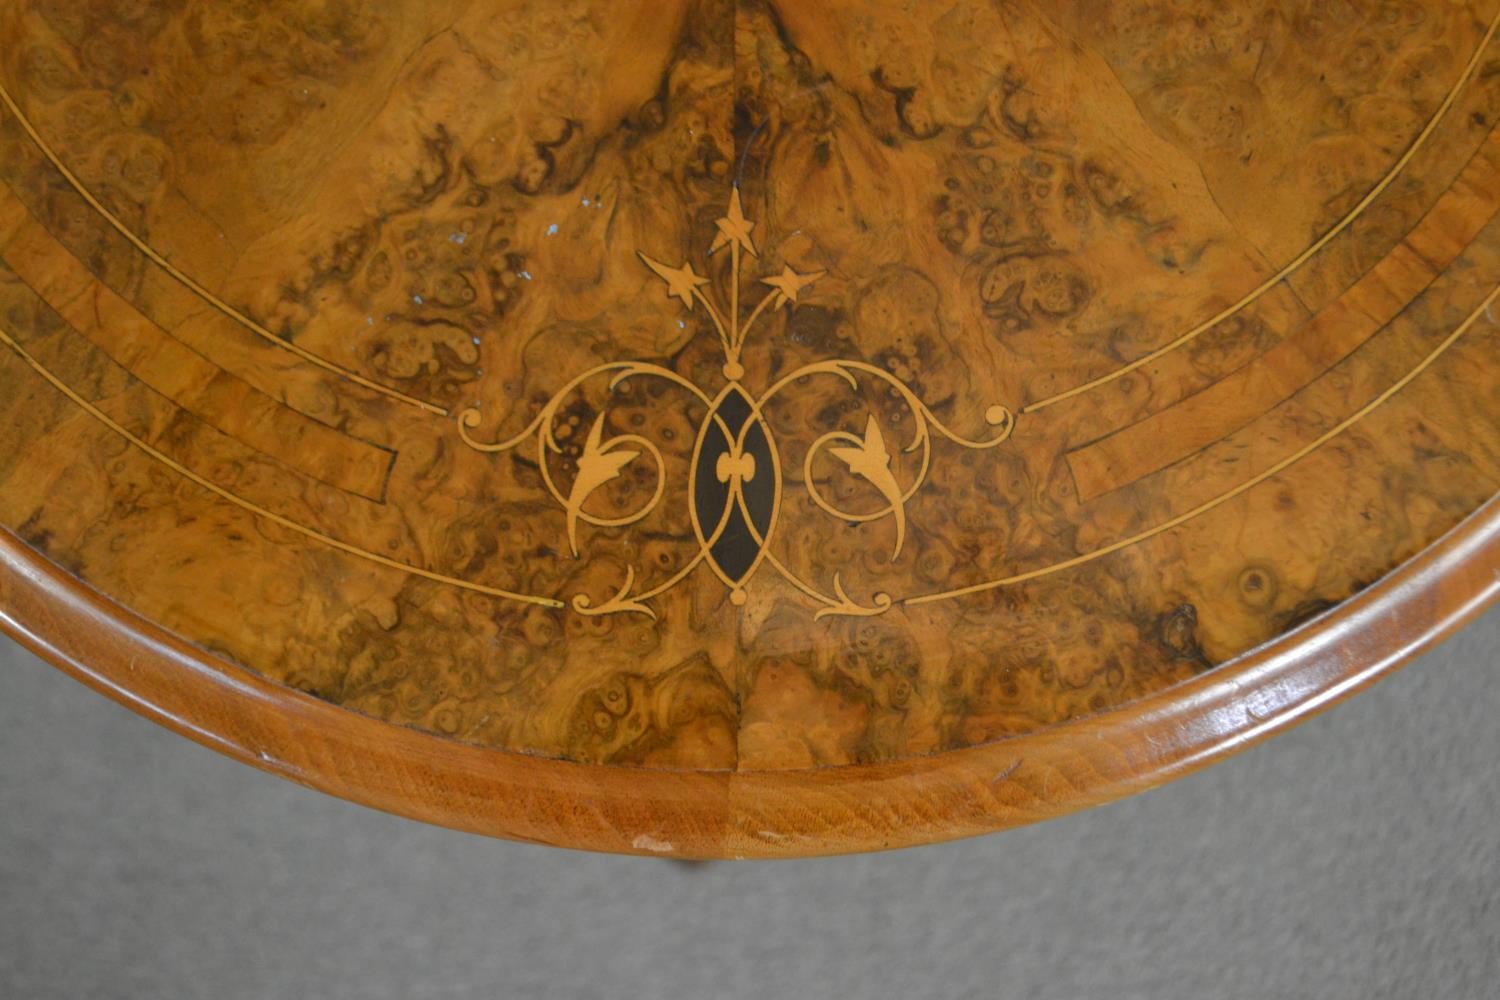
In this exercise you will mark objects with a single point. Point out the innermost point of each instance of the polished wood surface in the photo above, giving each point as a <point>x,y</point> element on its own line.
<point>736,426</point>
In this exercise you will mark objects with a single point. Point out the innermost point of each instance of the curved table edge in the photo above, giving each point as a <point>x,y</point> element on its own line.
<point>751,814</point>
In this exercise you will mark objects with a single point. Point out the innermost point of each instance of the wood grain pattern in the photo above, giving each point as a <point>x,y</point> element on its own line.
<point>1381,293</point>
<point>750,814</point>
<point>741,395</point>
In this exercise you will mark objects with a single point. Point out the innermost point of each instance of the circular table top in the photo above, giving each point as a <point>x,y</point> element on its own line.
<point>744,429</point>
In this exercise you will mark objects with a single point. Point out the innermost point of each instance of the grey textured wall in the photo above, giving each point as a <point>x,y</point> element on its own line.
<point>1358,856</point>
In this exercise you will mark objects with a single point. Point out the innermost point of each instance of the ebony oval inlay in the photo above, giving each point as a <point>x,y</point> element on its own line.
<point>735,484</point>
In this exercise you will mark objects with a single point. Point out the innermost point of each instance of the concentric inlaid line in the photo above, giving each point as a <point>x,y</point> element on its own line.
<point>1303,257</point>
<point>255,508</point>
<point>1248,484</point>
<point>187,281</point>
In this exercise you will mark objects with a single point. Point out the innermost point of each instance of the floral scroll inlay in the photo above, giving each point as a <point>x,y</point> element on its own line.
<point>735,481</point>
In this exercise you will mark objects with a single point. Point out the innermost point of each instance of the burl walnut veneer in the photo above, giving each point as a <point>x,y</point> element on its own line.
<point>744,428</point>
